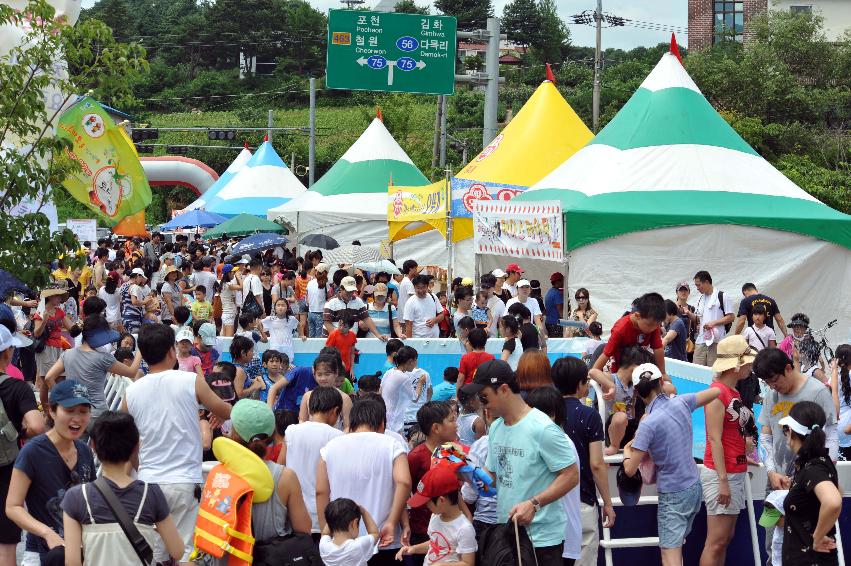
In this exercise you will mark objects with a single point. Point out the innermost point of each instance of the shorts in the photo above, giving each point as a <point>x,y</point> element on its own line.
<point>184,511</point>
<point>9,531</point>
<point>709,484</point>
<point>629,433</point>
<point>45,359</point>
<point>228,317</point>
<point>676,514</point>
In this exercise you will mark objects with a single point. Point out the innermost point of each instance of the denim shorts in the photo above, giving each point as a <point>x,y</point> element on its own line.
<point>677,511</point>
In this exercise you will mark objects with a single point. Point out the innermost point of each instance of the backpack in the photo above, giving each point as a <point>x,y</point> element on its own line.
<point>498,546</point>
<point>8,433</point>
<point>727,327</point>
<point>295,549</point>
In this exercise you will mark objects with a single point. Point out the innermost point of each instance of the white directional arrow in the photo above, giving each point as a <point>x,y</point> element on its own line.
<point>421,64</point>
<point>362,61</point>
<point>390,65</point>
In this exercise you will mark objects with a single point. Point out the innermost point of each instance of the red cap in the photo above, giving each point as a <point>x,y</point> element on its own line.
<point>557,276</point>
<point>513,267</point>
<point>436,482</point>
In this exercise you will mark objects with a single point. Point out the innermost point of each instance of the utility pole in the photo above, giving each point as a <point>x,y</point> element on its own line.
<point>437,121</point>
<point>443,113</point>
<point>492,88</point>
<point>311,151</point>
<point>598,20</point>
<point>271,124</point>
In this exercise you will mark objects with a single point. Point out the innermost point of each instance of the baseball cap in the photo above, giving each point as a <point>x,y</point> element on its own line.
<point>69,393</point>
<point>380,289</point>
<point>349,284</point>
<point>184,334</point>
<point>8,340</point>
<point>207,332</point>
<point>498,273</point>
<point>647,372</point>
<point>772,510</point>
<point>436,482</point>
<point>629,488</point>
<point>513,267</point>
<point>681,285</point>
<point>492,373</point>
<point>524,283</point>
<point>252,418</point>
<point>557,276</point>
<point>138,271</point>
<point>244,260</point>
<point>321,268</point>
<point>101,337</point>
<point>227,268</point>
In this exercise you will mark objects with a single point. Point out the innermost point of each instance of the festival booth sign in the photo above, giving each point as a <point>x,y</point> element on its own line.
<point>544,133</point>
<point>668,188</point>
<point>526,230</point>
<point>422,208</point>
<point>110,182</point>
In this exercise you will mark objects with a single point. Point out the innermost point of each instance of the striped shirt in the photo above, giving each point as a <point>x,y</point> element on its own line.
<point>336,308</point>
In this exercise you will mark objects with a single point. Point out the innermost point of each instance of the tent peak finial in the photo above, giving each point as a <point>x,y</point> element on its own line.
<point>550,76</point>
<point>675,49</point>
<point>266,138</point>
<point>378,113</point>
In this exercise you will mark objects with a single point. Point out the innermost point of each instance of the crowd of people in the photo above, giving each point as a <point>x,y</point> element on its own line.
<point>356,464</point>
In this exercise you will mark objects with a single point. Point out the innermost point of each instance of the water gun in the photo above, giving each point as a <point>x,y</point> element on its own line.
<point>455,456</point>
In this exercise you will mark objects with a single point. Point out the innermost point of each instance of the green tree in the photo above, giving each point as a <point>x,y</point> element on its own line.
<point>34,164</point>
<point>410,7</point>
<point>521,21</point>
<point>471,14</point>
<point>551,44</point>
<point>116,14</point>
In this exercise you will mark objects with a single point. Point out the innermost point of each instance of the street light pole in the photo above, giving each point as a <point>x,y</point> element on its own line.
<point>598,19</point>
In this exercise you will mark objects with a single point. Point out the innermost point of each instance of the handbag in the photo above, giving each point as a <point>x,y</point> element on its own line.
<point>294,549</point>
<point>137,541</point>
<point>250,306</point>
<point>40,342</point>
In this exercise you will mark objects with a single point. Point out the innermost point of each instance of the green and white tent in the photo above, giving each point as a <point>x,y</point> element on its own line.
<point>668,188</point>
<point>349,202</point>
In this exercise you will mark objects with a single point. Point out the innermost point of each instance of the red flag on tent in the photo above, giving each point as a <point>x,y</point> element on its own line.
<point>245,144</point>
<point>675,49</point>
<point>266,138</point>
<point>550,76</point>
<point>378,113</point>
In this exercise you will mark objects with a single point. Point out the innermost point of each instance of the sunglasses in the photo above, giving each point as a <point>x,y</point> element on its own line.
<point>581,298</point>
<point>482,399</point>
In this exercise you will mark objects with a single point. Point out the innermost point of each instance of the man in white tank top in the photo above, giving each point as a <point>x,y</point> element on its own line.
<point>164,404</point>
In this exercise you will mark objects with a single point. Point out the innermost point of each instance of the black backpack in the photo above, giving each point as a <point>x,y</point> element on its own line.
<point>295,549</point>
<point>727,327</point>
<point>498,546</point>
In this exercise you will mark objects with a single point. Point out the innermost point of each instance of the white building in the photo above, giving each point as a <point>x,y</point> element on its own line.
<point>836,13</point>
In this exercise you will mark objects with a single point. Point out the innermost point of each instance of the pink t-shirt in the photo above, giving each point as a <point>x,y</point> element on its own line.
<point>14,372</point>
<point>188,363</point>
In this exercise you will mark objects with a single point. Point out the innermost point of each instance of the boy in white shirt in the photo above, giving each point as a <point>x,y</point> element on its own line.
<point>452,538</point>
<point>340,544</point>
<point>760,336</point>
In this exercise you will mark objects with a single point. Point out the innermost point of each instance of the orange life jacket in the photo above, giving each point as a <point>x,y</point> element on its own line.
<point>224,517</point>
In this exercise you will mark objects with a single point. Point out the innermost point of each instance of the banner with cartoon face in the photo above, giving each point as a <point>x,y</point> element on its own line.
<point>111,181</point>
<point>467,191</point>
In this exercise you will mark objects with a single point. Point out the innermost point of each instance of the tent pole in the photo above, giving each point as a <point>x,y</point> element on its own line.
<point>449,242</point>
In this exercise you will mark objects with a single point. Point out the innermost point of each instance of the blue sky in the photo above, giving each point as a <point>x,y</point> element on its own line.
<point>668,12</point>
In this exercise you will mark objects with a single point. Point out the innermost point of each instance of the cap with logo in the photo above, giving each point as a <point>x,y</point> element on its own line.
<point>184,334</point>
<point>492,373</point>
<point>380,290</point>
<point>349,284</point>
<point>683,285</point>
<point>207,333</point>
<point>513,268</point>
<point>438,481</point>
<point>69,393</point>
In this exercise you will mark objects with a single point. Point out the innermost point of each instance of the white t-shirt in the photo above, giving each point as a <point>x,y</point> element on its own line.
<point>316,297</point>
<point>406,289</point>
<point>497,308</point>
<point>252,284</point>
<point>304,441</point>
<point>419,311</point>
<point>113,304</point>
<point>207,279</point>
<point>572,510</point>
<point>360,467</point>
<point>708,309</point>
<point>353,552</point>
<point>510,288</point>
<point>417,402</point>
<point>448,541</point>
<point>165,407</point>
<point>398,394</point>
<point>531,304</point>
<point>281,333</point>
<point>753,335</point>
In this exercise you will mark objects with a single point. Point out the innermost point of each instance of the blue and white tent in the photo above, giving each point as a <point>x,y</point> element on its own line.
<point>226,177</point>
<point>265,182</point>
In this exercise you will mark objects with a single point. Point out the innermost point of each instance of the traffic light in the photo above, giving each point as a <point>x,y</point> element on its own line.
<point>142,148</point>
<point>142,134</point>
<point>177,149</point>
<point>214,135</point>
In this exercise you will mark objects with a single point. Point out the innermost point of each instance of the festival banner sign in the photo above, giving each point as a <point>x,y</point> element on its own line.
<point>522,229</point>
<point>111,181</point>
<point>467,191</point>
<point>416,204</point>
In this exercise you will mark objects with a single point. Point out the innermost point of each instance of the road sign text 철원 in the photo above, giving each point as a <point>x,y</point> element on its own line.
<point>391,52</point>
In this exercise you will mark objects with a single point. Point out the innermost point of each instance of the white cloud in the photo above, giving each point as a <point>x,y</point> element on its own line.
<point>667,12</point>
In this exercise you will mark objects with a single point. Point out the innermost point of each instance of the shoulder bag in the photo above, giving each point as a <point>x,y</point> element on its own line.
<point>139,543</point>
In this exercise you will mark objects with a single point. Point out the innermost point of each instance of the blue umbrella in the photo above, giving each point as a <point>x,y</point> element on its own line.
<point>194,219</point>
<point>259,243</point>
<point>9,283</point>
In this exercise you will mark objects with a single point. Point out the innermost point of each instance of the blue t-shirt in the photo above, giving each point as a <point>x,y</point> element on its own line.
<point>583,425</point>
<point>676,350</point>
<point>443,391</point>
<point>553,299</point>
<point>526,458</point>
<point>300,382</point>
<point>41,462</point>
<point>667,435</point>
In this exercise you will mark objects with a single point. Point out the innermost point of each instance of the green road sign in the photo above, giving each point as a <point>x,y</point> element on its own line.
<point>391,52</point>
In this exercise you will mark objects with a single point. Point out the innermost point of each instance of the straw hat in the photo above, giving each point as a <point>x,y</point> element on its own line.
<point>733,352</point>
<point>168,271</point>
<point>53,289</point>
